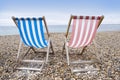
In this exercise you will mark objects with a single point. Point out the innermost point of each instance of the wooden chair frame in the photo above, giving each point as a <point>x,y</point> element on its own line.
<point>66,47</point>
<point>50,46</point>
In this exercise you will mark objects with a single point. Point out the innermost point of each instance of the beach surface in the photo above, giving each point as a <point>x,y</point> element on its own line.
<point>57,68</point>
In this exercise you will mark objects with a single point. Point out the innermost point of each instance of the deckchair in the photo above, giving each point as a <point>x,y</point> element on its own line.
<point>83,32</point>
<point>31,32</point>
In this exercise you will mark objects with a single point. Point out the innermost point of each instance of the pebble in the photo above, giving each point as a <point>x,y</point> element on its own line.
<point>57,68</point>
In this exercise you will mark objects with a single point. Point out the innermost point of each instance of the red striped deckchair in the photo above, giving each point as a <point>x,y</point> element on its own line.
<point>83,32</point>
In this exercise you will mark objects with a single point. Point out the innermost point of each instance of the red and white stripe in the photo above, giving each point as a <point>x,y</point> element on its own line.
<point>83,30</point>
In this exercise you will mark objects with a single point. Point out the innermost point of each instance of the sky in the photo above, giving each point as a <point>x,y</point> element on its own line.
<point>57,12</point>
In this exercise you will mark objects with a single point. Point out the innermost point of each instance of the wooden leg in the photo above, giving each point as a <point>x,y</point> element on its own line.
<point>26,52</point>
<point>83,50</point>
<point>33,49</point>
<point>64,46</point>
<point>29,50</point>
<point>47,55</point>
<point>67,55</point>
<point>18,54</point>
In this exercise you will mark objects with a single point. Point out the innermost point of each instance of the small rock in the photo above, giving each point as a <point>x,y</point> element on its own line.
<point>57,78</point>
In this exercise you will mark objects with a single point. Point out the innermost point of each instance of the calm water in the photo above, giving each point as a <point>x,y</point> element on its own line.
<point>12,30</point>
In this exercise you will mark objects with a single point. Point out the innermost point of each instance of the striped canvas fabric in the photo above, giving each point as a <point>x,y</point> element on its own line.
<point>83,30</point>
<point>31,32</point>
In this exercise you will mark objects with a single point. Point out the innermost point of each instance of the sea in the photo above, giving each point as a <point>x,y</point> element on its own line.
<point>12,30</point>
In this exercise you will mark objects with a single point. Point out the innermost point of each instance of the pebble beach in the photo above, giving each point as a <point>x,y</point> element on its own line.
<point>57,68</point>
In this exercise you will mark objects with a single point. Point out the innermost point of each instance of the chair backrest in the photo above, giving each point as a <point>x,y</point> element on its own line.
<point>83,30</point>
<point>31,31</point>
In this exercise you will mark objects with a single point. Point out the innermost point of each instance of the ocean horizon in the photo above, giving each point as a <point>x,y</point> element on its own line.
<point>12,30</point>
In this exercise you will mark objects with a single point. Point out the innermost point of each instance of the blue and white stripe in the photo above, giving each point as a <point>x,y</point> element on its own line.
<point>31,32</point>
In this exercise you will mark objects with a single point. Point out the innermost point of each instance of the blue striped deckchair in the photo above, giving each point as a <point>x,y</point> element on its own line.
<point>32,35</point>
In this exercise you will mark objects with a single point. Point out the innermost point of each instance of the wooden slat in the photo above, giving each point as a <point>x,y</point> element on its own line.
<point>36,61</point>
<point>84,70</point>
<point>25,68</point>
<point>34,69</point>
<point>83,62</point>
